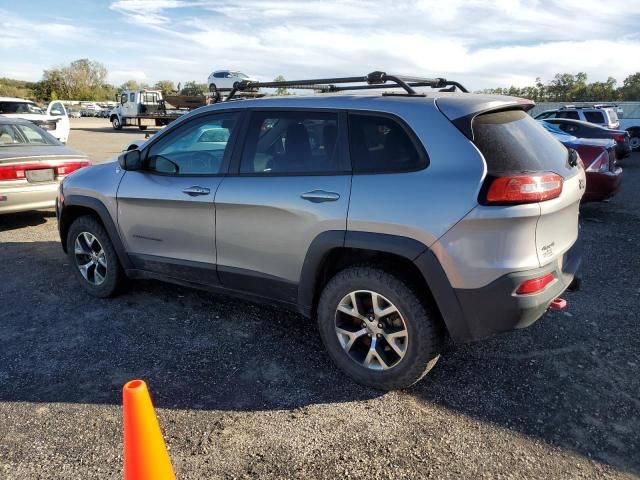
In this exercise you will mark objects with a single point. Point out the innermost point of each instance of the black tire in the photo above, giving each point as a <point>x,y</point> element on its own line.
<point>115,123</point>
<point>142,127</point>
<point>424,327</point>
<point>634,140</point>
<point>213,88</point>
<point>114,277</point>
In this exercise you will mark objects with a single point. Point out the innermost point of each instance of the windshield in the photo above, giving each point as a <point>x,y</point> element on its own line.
<point>20,107</point>
<point>22,134</point>
<point>239,74</point>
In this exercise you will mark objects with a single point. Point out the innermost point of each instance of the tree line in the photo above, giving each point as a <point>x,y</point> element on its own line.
<point>84,79</point>
<point>567,87</point>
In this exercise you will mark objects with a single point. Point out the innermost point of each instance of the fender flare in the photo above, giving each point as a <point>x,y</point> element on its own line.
<point>99,208</point>
<point>413,250</point>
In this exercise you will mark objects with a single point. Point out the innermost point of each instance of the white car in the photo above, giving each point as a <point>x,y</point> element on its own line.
<point>226,79</point>
<point>54,119</point>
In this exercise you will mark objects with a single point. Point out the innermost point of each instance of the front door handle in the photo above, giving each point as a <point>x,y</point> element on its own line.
<point>195,191</point>
<point>319,196</point>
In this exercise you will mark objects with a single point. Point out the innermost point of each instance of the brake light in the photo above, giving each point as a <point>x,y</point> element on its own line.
<point>620,137</point>
<point>17,171</point>
<point>535,284</point>
<point>601,163</point>
<point>524,188</point>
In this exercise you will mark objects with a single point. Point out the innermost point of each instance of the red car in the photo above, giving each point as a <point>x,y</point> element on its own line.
<point>603,174</point>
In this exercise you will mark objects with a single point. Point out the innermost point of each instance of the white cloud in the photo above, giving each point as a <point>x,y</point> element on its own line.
<point>480,42</point>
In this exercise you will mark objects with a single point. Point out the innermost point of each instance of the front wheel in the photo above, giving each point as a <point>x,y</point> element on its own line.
<point>93,258</point>
<point>377,330</point>
<point>115,123</point>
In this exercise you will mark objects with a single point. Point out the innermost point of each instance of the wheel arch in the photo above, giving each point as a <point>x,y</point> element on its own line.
<point>76,206</point>
<point>410,259</point>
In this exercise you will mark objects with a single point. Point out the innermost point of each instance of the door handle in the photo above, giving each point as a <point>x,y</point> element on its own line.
<point>319,196</point>
<point>195,191</point>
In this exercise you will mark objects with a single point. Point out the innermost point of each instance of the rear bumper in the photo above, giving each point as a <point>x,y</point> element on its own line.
<point>601,186</point>
<point>27,197</point>
<point>474,314</point>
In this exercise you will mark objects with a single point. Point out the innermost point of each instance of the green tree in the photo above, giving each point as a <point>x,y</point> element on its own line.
<point>281,90</point>
<point>194,88</point>
<point>166,86</point>
<point>130,85</point>
<point>630,89</point>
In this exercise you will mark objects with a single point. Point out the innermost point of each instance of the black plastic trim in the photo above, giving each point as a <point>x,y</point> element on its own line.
<point>99,208</point>
<point>195,272</point>
<point>258,283</point>
<point>317,252</point>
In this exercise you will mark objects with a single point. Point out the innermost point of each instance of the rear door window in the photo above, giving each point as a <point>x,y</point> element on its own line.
<point>380,144</point>
<point>594,117</point>
<point>513,142</point>
<point>571,114</point>
<point>292,142</point>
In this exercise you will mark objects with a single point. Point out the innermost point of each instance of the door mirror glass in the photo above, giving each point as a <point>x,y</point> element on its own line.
<point>131,160</point>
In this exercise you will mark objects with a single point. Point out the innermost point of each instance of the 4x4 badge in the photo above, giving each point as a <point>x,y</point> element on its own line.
<point>581,184</point>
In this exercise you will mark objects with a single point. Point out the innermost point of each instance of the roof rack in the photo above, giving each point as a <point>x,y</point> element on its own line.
<point>594,105</point>
<point>372,81</point>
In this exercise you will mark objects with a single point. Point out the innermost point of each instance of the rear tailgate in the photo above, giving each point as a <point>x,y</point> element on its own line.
<point>512,143</point>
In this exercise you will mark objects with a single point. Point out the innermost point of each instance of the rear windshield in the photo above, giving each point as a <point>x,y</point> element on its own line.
<point>512,141</point>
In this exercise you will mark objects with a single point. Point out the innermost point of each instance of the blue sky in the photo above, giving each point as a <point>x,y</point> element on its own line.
<point>480,42</point>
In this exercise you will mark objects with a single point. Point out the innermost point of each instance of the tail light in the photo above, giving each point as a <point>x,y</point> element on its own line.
<point>516,189</point>
<point>601,163</point>
<point>17,171</point>
<point>620,137</point>
<point>535,284</point>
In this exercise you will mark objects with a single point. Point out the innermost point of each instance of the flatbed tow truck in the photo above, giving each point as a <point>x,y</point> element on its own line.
<point>149,108</point>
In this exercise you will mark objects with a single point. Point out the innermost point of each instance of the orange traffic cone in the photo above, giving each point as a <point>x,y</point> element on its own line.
<point>145,455</point>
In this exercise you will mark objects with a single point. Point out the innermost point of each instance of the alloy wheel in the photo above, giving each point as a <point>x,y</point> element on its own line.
<point>90,257</point>
<point>371,330</point>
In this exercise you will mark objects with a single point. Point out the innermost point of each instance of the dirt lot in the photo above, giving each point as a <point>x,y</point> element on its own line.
<point>244,391</point>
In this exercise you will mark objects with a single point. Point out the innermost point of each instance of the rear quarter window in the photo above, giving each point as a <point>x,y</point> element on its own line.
<point>594,117</point>
<point>513,142</point>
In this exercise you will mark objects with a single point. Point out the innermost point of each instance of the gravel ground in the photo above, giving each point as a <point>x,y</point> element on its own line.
<point>244,391</point>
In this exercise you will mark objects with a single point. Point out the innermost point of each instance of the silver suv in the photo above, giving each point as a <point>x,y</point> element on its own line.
<point>392,219</point>
<point>604,115</point>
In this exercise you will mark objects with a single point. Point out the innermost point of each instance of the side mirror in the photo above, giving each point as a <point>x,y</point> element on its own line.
<point>131,160</point>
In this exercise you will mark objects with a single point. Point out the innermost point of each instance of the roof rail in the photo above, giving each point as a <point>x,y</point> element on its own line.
<point>585,105</point>
<point>374,80</point>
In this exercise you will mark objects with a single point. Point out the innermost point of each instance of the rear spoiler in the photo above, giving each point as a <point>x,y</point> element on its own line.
<point>462,109</point>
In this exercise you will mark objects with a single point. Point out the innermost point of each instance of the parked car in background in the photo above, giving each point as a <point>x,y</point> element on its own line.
<point>74,114</point>
<point>600,114</point>
<point>32,163</point>
<point>226,79</point>
<point>581,129</point>
<point>54,119</point>
<point>598,157</point>
<point>389,219</point>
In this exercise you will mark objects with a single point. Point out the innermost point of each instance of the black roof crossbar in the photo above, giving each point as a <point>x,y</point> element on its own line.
<point>372,81</point>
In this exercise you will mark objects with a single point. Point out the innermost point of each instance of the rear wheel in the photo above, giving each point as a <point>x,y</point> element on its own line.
<point>634,140</point>
<point>93,258</point>
<point>377,330</point>
<point>142,127</point>
<point>213,88</point>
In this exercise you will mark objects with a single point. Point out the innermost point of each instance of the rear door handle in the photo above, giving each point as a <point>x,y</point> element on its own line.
<point>195,191</point>
<point>319,196</point>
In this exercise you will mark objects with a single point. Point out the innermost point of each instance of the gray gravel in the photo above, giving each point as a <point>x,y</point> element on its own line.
<point>244,391</point>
